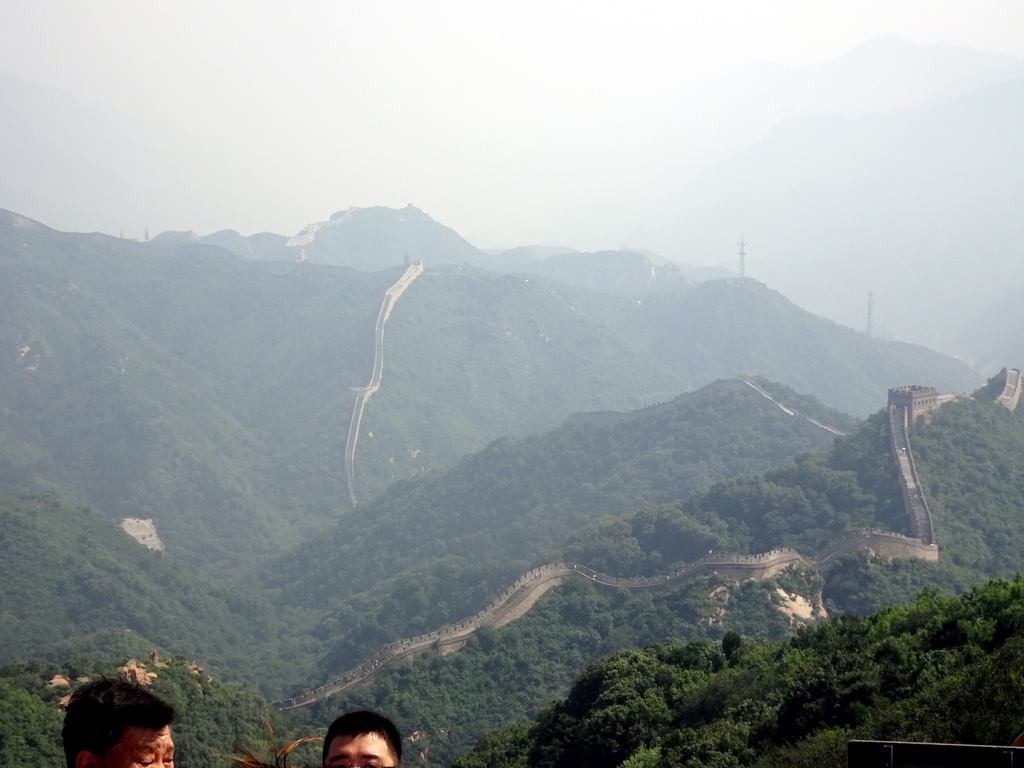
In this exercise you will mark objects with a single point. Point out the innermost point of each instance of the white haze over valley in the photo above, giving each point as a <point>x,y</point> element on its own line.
<point>858,148</point>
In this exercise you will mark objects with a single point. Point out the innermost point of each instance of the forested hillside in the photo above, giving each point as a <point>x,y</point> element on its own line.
<point>809,504</point>
<point>623,272</point>
<point>444,544</point>
<point>178,382</point>
<point>513,355</point>
<point>134,379</point>
<point>935,670</point>
<point>73,582</point>
<point>517,500</point>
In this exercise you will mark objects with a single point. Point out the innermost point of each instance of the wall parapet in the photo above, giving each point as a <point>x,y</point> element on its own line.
<point>739,567</point>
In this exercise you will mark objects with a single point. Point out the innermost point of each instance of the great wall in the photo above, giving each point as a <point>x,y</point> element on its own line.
<point>363,394</point>
<point>906,404</point>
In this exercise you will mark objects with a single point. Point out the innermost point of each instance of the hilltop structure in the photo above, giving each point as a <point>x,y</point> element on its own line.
<point>915,400</point>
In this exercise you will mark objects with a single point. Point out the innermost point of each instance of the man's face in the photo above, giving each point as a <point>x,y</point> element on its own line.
<point>138,748</point>
<point>368,749</point>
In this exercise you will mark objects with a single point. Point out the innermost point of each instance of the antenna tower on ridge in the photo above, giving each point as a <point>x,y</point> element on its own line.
<point>743,254</point>
<point>871,305</point>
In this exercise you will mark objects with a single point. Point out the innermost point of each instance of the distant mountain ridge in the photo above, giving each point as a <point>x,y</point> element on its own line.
<point>370,239</point>
<point>46,172</point>
<point>879,75</point>
<point>376,238</point>
<point>624,272</point>
<point>917,206</point>
<point>164,341</point>
<point>912,151</point>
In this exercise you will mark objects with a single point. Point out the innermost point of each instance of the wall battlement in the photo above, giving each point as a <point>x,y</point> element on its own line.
<point>915,399</point>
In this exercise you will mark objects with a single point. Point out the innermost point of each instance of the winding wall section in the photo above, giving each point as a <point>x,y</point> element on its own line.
<point>521,595</point>
<point>528,587</point>
<point>913,493</point>
<point>786,409</point>
<point>363,394</point>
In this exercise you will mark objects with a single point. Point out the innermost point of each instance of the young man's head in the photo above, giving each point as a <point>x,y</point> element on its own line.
<point>116,724</point>
<point>362,738</point>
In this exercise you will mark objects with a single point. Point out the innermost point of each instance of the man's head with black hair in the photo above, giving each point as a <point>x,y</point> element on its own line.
<point>114,723</point>
<point>362,737</point>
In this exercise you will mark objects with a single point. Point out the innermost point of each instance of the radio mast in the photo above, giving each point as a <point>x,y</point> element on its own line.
<point>871,305</point>
<point>743,254</point>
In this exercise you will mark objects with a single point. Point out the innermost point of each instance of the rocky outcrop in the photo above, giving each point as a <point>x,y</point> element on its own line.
<point>143,531</point>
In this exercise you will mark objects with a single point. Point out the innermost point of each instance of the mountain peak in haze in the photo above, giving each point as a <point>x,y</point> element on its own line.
<point>881,74</point>
<point>919,207</point>
<point>691,129</point>
<point>378,237</point>
<point>892,73</point>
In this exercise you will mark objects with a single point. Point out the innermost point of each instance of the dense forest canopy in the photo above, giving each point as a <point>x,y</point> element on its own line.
<point>935,670</point>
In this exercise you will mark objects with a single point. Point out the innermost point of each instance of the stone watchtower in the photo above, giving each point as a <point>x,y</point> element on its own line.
<point>915,399</point>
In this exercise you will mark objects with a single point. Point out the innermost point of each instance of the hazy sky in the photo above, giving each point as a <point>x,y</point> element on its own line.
<point>487,115</point>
